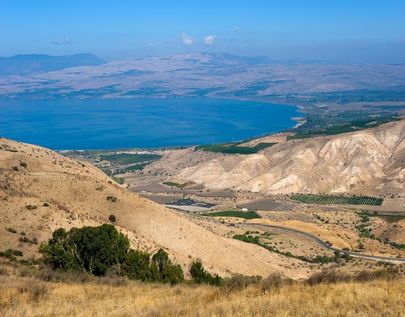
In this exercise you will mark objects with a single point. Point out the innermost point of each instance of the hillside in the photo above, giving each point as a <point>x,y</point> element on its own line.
<point>370,161</point>
<point>27,64</point>
<point>41,190</point>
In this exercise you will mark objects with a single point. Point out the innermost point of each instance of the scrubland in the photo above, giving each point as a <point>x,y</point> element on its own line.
<point>45,295</point>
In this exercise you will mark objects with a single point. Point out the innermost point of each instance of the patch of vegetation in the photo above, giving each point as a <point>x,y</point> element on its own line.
<point>201,276</point>
<point>11,254</point>
<point>132,168</point>
<point>318,259</point>
<point>331,123</point>
<point>125,158</point>
<point>112,199</point>
<point>385,216</point>
<point>333,276</point>
<point>178,185</point>
<point>101,250</point>
<point>31,207</point>
<point>235,213</point>
<point>25,239</point>
<point>233,148</point>
<point>118,180</point>
<point>341,200</point>
<point>396,245</point>
<point>112,218</point>
<point>12,230</point>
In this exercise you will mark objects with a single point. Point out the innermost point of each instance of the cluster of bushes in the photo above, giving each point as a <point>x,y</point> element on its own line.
<point>11,254</point>
<point>333,276</point>
<point>322,259</point>
<point>103,250</point>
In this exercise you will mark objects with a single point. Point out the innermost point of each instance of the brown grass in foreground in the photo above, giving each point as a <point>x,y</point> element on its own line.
<point>28,296</point>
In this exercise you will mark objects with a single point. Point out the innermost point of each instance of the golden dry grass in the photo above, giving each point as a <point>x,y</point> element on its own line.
<point>26,296</point>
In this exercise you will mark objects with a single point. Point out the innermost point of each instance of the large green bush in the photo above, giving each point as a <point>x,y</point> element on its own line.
<point>88,249</point>
<point>98,250</point>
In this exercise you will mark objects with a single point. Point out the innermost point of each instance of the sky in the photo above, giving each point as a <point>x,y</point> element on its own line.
<point>342,31</point>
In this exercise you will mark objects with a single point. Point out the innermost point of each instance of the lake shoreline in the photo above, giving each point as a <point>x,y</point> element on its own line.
<point>169,123</point>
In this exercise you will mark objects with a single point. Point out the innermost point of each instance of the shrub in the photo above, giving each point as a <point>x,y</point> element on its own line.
<point>11,254</point>
<point>112,199</point>
<point>112,218</point>
<point>12,230</point>
<point>89,249</point>
<point>164,270</point>
<point>327,276</point>
<point>200,275</point>
<point>25,239</point>
<point>239,281</point>
<point>273,281</point>
<point>137,265</point>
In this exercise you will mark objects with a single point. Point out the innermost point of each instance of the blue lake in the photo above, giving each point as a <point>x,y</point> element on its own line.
<point>118,123</point>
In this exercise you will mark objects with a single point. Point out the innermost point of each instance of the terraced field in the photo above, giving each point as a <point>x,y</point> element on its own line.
<point>337,200</point>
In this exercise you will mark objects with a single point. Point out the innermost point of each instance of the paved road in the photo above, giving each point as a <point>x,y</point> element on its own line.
<point>320,242</point>
<point>327,246</point>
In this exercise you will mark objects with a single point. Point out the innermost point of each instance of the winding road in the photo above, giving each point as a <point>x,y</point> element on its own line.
<point>327,246</point>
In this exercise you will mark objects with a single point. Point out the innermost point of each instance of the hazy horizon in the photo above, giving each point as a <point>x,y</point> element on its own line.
<point>336,31</point>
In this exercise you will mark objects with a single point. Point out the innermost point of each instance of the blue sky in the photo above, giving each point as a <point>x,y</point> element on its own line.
<point>323,30</point>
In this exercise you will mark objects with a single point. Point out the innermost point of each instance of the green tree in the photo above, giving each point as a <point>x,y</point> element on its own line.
<point>200,275</point>
<point>89,249</point>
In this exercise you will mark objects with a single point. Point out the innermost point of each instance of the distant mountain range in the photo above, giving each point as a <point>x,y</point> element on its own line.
<point>196,75</point>
<point>25,64</point>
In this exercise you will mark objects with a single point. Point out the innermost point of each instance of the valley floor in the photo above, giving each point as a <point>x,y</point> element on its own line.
<point>28,296</point>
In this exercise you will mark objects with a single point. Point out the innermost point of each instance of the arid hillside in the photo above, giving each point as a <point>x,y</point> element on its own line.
<point>31,296</point>
<point>370,161</point>
<point>41,190</point>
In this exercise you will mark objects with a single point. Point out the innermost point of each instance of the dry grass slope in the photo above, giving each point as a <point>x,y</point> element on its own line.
<point>26,296</point>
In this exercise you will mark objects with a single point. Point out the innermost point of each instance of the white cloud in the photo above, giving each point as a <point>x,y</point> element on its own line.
<point>66,41</point>
<point>210,39</point>
<point>187,39</point>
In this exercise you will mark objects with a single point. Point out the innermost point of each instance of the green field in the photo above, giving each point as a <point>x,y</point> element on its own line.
<point>337,200</point>
<point>317,124</point>
<point>178,185</point>
<point>235,213</point>
<point>124,158</point>
<point>233,148</point>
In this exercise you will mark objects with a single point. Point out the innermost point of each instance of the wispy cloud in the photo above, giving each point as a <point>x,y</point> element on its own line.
<point>210,39</point>
<point>65,41</point>
<point>187,39</point>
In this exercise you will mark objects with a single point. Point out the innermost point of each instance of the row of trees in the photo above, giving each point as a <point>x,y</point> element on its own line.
<point>102,250</point>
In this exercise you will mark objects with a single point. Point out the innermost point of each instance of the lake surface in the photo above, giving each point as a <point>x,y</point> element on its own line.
<point>147,123</point>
